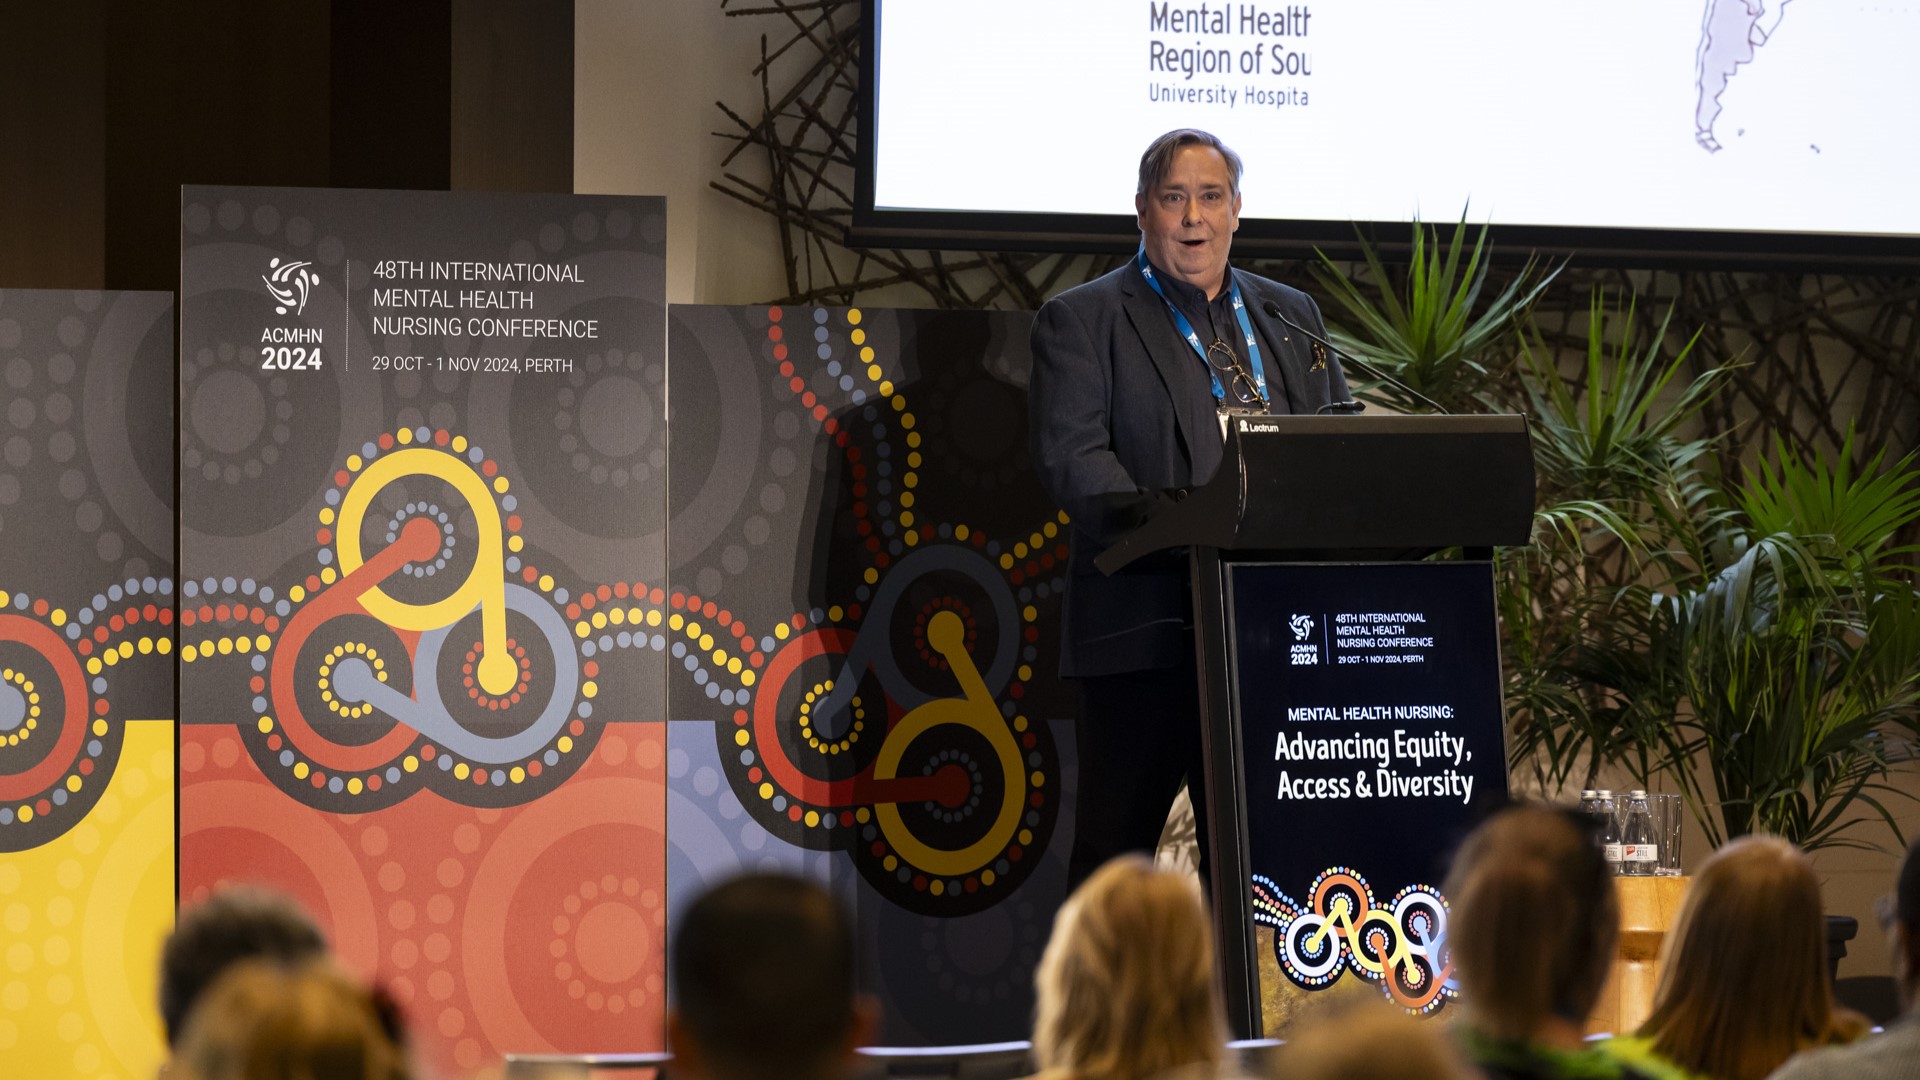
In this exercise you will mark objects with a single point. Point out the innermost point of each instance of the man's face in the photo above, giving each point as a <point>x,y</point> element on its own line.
<point>1188,219</point>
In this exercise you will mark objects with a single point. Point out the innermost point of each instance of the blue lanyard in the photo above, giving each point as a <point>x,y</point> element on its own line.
<point>1185,328</point>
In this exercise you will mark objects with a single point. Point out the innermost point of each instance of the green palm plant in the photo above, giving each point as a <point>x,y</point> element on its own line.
<point>1756,640</point>
<point>1796,696</point>
<point>1853,513</point>
<point>1433,331</point>
<point>1777,687</point>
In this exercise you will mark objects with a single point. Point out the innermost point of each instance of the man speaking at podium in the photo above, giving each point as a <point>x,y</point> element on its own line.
<point>1133,374</point>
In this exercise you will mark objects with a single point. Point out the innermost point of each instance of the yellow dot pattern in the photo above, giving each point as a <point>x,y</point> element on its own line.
<point>81,922</point>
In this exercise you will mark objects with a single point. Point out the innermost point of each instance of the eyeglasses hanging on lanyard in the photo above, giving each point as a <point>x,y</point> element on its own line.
<point>1237,380</point>
<point>1244,384</point>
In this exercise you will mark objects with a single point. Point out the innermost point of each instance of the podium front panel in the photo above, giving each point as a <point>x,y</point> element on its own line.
<point>1366,700</point>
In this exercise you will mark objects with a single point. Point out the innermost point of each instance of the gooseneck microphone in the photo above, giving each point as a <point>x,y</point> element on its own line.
<point>1366,368</point>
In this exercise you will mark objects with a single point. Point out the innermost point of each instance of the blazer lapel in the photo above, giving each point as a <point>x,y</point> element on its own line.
<point>1164,346</point>
<point>1290,354</point>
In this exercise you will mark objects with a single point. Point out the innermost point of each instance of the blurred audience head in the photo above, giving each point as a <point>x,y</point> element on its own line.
<point>1533,924</point>
<point>1126,986</point>
<point>763,974</point>
<point>237,923</point>
<point>1370,1040</point>
<point>268,1020</point>
<point>1902,921</point>
<point>1744,983</point>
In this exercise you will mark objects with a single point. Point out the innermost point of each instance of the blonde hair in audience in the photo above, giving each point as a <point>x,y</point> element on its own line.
<point>1126,986</point>
<point>1533,922</point>
<point>1743,982</point>
<point>268,1021</point>
<point>1368,1041</point>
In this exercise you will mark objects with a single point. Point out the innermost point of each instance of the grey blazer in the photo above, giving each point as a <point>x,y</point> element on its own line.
<point>1121,411</point>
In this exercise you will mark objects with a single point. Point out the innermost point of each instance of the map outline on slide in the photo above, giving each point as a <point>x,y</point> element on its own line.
<point>1730,31</point>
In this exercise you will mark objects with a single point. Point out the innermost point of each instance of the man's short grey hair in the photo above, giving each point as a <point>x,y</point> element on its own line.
<point>1158,160</point>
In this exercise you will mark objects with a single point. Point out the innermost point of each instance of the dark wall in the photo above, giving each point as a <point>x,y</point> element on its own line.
<point>513,95</point>
<point>202,92</point>
<point>51,157</point>
<point>108,106</point>
<point>392,72</point>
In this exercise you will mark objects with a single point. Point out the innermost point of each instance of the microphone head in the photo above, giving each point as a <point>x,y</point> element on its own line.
<point>1272,309</point>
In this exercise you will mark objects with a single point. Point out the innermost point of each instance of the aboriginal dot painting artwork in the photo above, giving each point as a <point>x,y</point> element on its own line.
<point>501,634</point>
<point>86,678</point>
<point>423,454</point>
<point>861,642</point>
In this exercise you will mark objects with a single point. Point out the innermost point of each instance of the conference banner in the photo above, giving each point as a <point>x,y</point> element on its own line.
<point>863,633</point>
<point>86,679</point>
<point>422,453</point>
<point>1369,709</point>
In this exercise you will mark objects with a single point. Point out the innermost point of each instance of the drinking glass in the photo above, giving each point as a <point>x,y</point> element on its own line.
<point>1669,818</point>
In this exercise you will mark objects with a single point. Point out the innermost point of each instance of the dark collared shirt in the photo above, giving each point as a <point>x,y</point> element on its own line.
<point>1214,320</point>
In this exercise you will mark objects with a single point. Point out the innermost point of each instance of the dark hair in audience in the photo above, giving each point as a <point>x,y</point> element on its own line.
<point>1743,985</point>
<point>266,1020</point>
<point>763,971</point>
<point>1533,922</point>
<point>237,923</point>
<point>1157,162</point>
<point>1126,987</point>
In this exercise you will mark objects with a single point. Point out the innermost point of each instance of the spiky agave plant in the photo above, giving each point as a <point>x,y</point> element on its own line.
<point>1624,498</point>
<point>1430,328</point>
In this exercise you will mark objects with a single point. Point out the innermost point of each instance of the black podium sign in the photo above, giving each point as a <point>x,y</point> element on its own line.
<point>1349,689</point>
<point>1368,712</point>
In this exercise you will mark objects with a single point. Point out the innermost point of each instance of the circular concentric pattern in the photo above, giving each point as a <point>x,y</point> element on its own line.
<point>425,650</point>
<point>993,452</point>
<point>82,500</point>
<point>79,484</point>
<point>236,427</point>
<point>59,734</point>
<point>536,929</point>
<point>94,906</point>
<point>981,964</point>
<point>255,444</point>
<point>593,931</point>
<point>1400,946</point>
<point>851,728</point>
<point>590,443</point>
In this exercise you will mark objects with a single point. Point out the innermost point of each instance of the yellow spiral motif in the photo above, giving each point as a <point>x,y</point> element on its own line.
<point>947,634</point>
<point>485,585</point>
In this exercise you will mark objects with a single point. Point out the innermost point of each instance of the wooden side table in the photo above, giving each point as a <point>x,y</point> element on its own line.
<point>1648,908</point>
